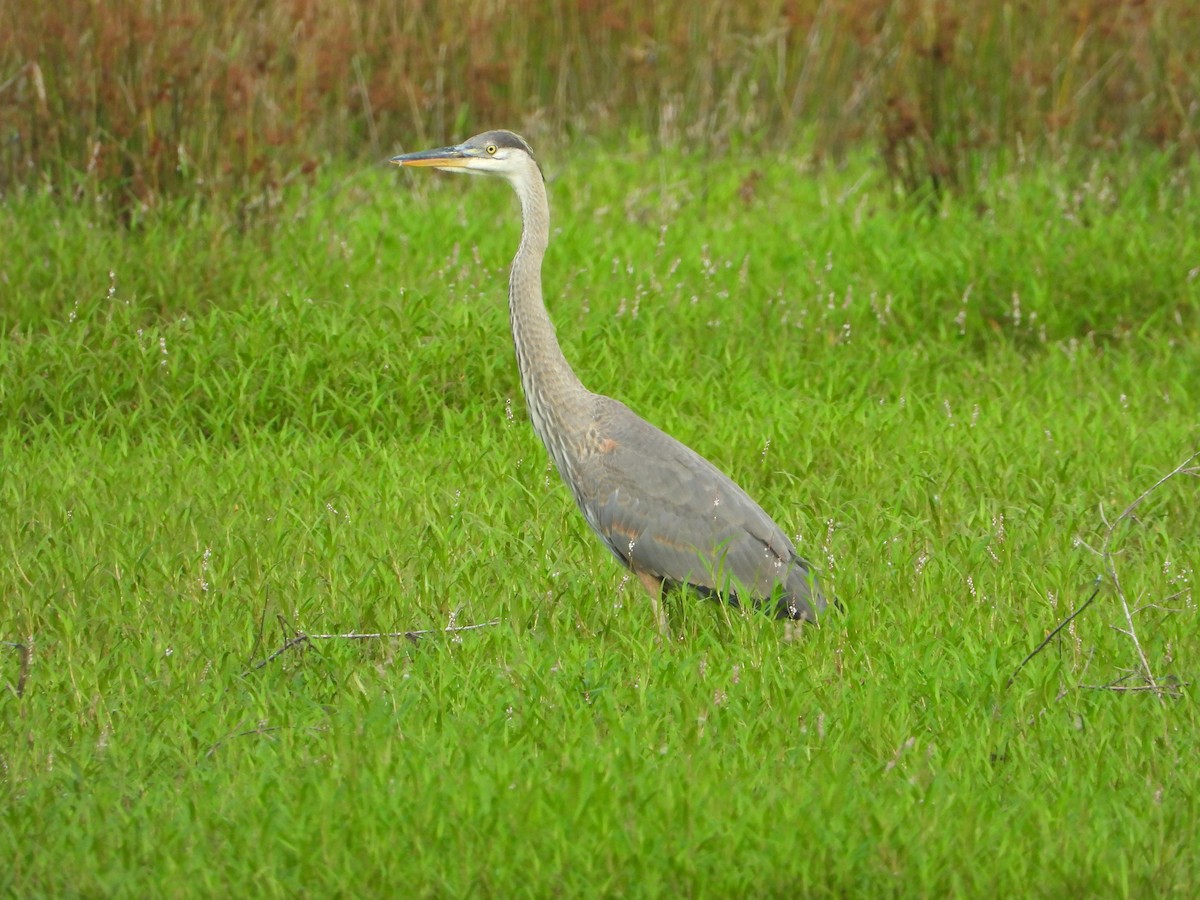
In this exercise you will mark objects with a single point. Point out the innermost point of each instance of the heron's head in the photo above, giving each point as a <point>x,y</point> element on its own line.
<point>491,153</point>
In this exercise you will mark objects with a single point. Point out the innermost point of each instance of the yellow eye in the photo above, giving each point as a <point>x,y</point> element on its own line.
<point>491,149</point>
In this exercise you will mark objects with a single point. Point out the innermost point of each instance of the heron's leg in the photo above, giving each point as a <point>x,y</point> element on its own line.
<point>654,586</point>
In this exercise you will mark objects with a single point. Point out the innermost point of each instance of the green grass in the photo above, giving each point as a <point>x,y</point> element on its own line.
<point>319,427</point>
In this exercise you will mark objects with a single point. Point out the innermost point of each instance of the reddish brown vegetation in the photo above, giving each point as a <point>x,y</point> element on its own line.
<point>149,99</point>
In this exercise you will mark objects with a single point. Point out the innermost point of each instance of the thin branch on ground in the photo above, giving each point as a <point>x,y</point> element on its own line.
<point>304,638</point>
<point>262,728</point>
<point>1053,634</point>
<point>25,654</point>
<point>1110,567</point>
<point>262,624</point>
<point>1169,686</point>
<point>1107,555</point>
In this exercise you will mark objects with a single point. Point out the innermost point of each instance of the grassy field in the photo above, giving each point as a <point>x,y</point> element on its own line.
<point>213,437</point>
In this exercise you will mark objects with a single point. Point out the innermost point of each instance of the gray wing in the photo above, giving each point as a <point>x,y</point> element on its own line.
<point>665,510</point>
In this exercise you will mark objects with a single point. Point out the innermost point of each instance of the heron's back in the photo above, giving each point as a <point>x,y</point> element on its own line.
<point>665,510</point>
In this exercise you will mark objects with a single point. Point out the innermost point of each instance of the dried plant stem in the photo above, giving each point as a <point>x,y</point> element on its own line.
<point>1107,557</point>
<point>1110,569</point>
<point>24,653</point>
<point>1167,688</point>
<point>304,638</point>
<point>1054,632</point>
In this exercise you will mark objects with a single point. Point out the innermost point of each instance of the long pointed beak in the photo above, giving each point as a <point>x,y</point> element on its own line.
<point>443,157</point>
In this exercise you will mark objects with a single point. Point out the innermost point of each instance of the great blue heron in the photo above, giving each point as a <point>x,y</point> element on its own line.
<point>664,511</point>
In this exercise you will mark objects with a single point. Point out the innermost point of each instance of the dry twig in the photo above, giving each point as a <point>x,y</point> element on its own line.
<point>1110,569</point>
<point>305,638</point>
<point>25,654</point>
<point>1053,634</point>
<point>1170,686</point>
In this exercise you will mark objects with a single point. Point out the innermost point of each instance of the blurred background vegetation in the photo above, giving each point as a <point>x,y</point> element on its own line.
<point>133,102</point>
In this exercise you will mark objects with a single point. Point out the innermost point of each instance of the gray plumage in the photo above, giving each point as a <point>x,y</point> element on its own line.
<point>663,510</point>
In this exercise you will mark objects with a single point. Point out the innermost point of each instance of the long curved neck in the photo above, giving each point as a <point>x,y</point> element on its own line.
<point>558,403</point>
